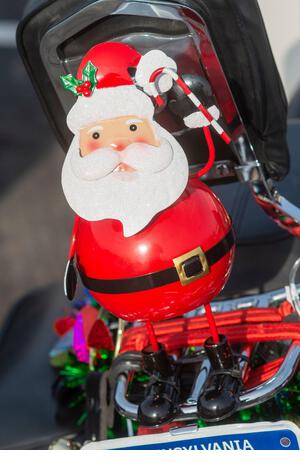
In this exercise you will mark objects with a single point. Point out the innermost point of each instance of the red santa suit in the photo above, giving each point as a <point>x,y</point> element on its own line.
<point>182,258</point>
<point>136,278</point>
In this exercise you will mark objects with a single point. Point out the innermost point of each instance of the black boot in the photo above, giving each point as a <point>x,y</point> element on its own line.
<point>160,403</point>
<point>219,397</point>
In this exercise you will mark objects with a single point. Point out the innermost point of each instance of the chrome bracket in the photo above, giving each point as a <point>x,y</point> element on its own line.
<point>248,171</point>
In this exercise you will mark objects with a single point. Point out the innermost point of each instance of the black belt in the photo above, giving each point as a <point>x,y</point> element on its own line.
<point>188,268</point>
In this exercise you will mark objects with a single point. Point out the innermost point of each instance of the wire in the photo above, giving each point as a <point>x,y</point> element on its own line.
<point>212,323</point>
<point>152,337</point>
<point>211,152</point>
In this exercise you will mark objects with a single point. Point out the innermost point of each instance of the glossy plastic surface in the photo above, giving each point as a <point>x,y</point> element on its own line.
<point>197,219</point>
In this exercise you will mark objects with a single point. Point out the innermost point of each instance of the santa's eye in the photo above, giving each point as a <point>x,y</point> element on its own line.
<point>95,135</point>
<point>133,127</point>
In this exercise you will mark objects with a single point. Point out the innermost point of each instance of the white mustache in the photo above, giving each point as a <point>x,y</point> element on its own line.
<point>96,165</point>
<point>143,158</point>
<point>147,158</point>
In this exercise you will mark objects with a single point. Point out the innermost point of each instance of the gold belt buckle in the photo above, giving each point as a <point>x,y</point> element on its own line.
<point>179,265</point>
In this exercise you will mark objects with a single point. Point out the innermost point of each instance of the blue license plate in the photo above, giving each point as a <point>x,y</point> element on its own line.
<point>282,435</point>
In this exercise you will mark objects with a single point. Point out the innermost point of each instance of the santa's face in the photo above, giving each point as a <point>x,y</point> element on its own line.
<point>116,133</point>
<point>126,168</point>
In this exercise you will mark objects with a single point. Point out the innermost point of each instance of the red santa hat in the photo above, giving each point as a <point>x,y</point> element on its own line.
<point>119,71</point>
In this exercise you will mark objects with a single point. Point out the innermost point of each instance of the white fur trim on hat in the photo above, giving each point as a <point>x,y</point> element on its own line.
<point>150,62</point>
<point>108,103</point>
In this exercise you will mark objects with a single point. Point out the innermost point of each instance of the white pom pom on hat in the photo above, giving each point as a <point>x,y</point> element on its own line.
<point>150,62</point>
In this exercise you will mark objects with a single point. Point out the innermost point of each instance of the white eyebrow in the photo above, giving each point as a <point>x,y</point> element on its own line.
<point>133,121</point>
<point>94,129</point>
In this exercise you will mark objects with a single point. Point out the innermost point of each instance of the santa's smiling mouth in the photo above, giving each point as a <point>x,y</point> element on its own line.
<point>124,167</point>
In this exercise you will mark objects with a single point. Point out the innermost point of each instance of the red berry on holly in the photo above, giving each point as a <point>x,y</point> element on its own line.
<point>87,85</point>
<point>79,89</point>
<point>87,93</point>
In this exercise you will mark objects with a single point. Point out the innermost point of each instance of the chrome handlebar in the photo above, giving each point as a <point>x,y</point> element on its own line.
<point>270,387</point>
<point>188,411</point>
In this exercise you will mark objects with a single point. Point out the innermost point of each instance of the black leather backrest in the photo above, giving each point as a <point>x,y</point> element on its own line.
<point>239,37</point>
<point>241,41</point>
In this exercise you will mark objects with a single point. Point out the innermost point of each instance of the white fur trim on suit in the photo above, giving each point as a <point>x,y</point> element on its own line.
<point>197,119</point>
<point>150,62</point>
<point>108,103</point>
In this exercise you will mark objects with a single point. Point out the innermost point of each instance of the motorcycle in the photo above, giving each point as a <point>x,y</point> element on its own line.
<point>212,378</point>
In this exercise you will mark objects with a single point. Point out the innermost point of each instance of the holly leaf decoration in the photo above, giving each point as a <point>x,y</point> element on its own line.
<point>89,74</point>
<point>89,80</point>
<point>70,83</point>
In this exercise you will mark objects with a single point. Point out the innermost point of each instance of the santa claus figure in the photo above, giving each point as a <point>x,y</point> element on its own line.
<point>149,242</point>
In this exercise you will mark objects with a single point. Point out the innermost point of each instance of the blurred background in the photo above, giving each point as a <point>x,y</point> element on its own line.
<point>35,220</point>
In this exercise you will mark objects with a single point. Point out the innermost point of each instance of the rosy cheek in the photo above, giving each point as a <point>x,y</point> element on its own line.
<point>93,145</point>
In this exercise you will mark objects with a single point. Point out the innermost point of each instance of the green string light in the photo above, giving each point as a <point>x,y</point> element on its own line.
<point>201,423</point>
<point>245,415</point>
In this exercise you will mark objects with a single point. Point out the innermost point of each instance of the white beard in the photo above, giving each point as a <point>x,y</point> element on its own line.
<point>97,193</point>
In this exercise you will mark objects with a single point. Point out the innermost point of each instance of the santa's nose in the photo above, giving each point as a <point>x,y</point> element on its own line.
<point>120,144</point>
